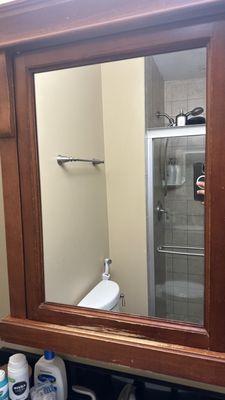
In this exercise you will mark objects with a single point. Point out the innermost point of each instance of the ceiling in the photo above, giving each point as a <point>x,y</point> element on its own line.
<point>188,64</point>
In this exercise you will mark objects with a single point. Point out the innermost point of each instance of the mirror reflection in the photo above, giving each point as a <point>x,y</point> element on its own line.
<point>121,146</point>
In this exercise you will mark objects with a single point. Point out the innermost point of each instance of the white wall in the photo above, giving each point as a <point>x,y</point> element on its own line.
<point>74,209</point>
<point>123,93</point>
<point>74,198</point>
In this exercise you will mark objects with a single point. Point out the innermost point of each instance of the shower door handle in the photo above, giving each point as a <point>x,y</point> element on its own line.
<point>160,210</point>
<point>178,250</point>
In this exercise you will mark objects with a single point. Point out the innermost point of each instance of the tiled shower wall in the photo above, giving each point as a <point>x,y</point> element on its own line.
<point>181,276</point>
<point>185,223</point>
<point>186,94</point>
<point>154,93</point>
<point>185,226</point>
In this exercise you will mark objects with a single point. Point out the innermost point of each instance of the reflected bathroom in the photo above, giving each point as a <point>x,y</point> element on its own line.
<point>120,147</point>
<point>175,212</point>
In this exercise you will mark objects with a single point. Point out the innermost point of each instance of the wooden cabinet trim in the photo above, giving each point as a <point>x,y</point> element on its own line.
<point>7,112</point>
<point>37,22</point>
<point>120,349</point>
<point>13,227</point>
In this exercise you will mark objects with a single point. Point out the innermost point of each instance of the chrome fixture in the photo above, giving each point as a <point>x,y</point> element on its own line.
<point>160,210</point>
<point>167,250</point>
<point>64,159</point>
<point>107,263</point>
<point>171,119</point>
<point>196,111</point>
<point>123,300</point>
<point>84,391</point>
<point>172,122</point>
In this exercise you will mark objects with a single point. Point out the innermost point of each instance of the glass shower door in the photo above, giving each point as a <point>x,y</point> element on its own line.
<point>175,158</point>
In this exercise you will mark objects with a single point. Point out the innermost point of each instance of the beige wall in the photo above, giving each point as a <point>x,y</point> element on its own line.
<point>75,230</point>
<point>118,88</point>
<point>123,93</point>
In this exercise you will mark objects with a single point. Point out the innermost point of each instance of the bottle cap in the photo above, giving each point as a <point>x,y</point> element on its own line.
<point>2,375</point>
<point>17,361</point>
<point>49,355</point>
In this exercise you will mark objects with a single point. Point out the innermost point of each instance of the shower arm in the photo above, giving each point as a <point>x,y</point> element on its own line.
<point>171,119</point>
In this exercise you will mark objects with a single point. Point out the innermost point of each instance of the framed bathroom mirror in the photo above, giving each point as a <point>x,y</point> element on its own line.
<point>110,174</point>
<point>120,147</point>
<point>170,317</point>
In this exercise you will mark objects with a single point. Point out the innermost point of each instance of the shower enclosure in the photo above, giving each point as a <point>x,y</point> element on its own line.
<point>175,223</point>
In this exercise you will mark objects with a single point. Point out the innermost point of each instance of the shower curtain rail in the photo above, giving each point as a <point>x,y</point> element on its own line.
<point>166,249</point>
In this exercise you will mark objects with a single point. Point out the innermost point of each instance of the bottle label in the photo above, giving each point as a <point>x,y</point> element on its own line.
<point>19,388</point>
<point>45,377</point>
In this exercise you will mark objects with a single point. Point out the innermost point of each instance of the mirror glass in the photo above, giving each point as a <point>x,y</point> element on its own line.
<point>121,145</point>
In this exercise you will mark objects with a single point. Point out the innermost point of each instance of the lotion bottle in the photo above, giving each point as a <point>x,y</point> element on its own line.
<point>51,367</point>
<point>18,377</point>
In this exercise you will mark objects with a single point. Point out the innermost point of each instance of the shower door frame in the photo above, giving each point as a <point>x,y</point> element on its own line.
<point>151,134</point>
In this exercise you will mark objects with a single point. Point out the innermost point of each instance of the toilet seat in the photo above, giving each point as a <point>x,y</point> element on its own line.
<point>104,296</point>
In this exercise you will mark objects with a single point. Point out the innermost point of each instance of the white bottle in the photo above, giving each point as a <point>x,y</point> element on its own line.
<point>178,175</point>
<point>171,172</point>
<point>4,387</point>
<point>181,119</point>
<point>52,368</point>
<point>18,377</point>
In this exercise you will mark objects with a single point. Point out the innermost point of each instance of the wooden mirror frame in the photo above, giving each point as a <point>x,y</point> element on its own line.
<point>178,349</point>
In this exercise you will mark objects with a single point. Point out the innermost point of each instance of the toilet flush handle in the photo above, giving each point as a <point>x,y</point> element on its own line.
<point>106,274</point>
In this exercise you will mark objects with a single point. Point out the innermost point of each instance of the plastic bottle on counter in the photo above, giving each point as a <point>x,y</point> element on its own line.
<point>18,377</point>
<point>51,367</point>
<point>4,387</point>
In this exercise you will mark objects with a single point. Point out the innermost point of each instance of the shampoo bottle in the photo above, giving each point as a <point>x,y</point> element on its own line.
<point>171,172</point>
<point>181,119</point>
<point>51,367</point>
<point>18,376</point>
<point>4,388</point>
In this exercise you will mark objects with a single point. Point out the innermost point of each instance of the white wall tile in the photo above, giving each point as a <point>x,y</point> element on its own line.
<point>193,103</point>
<point>179,90</point>
<point>178,105</point>
<point>196,88</point>
<point>196,266</point>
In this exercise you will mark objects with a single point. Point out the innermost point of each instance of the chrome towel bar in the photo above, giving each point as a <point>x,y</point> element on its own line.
<point>64,159</point>
<point>166,249</point>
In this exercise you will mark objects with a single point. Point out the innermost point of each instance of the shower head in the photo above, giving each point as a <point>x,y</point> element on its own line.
<point>196,111</point>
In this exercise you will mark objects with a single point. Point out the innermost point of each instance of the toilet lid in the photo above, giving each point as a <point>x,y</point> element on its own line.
<point>104,296</point>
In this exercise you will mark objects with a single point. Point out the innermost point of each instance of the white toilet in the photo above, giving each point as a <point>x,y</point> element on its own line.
<point>105,295</point>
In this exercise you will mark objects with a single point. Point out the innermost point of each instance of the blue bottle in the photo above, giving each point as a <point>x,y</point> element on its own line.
<point>4,387</point>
